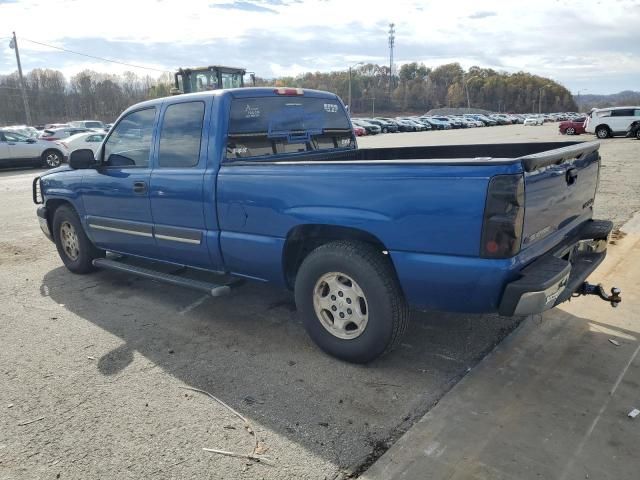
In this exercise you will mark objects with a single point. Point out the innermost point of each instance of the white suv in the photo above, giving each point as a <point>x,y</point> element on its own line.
<point>17,150</point>
<point>607,122</point>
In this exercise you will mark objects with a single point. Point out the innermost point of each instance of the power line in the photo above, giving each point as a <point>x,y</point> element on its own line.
<point>94,56</point>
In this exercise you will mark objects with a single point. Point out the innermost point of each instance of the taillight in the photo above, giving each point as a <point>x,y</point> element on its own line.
<point>503,217</point>
<point>289,91</point>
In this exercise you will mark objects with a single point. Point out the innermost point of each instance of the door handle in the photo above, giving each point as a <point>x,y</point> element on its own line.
<point>140,187</point>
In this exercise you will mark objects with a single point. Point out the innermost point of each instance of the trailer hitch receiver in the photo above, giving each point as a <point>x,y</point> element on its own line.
<point>588,289</point>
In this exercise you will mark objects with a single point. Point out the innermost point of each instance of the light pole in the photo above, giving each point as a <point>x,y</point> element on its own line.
<point>352,66</point>
<point>540,97</point>
<point>466,87</point>
<point>578,100</point>
<point>14,45</point>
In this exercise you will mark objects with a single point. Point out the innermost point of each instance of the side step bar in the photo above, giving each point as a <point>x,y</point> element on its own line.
<point>211,288</point>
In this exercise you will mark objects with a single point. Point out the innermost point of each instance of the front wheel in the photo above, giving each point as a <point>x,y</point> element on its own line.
<point>74,247</point>
<point>51,159</point>
<point>350,301</point>
<point>638,134</point>
<point>571,131</point>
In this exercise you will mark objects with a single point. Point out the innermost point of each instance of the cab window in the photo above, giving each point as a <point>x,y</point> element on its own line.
<point>129,144</point>
<point>181,135</point>
<point>263,127</point>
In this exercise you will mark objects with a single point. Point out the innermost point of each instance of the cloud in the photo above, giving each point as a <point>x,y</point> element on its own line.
<point>597,49</point>
<point>478,15</point>
<point>246,6</point>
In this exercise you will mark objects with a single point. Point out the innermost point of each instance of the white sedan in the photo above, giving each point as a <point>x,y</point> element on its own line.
<point>533,121</point>
<point>90,140</point>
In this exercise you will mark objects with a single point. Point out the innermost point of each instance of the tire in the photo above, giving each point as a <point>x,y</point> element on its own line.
<point>74,247</point>
<point>362,278</point>
<point>638,134</point>
<point>51,158</point>
<point>384,130</point>
<point>603,132</point>
<point>570,131</point>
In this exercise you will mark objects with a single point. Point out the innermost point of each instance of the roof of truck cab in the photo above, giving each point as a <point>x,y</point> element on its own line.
<point>243,92</point>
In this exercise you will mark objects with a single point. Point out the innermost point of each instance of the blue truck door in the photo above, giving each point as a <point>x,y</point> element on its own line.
<point>116,195</point>
<point>177,194</point>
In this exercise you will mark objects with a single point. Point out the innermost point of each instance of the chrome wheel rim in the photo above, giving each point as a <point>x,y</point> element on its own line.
<point>52,159</point>
<point>340,305</point>
<point>69,240</point>
<point>570,131</point>
<point>602,133</point>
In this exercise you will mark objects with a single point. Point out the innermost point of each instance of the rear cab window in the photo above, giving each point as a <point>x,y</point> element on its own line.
<point>264,127</point>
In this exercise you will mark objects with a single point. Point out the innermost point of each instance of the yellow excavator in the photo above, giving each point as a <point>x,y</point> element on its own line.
<point>214,77</point>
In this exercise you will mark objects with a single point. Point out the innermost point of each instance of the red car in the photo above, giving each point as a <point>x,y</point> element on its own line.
<point>359,131</point>
<point>572,127</point>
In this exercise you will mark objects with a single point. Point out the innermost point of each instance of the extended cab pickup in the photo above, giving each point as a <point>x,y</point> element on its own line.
<point>268,184</point>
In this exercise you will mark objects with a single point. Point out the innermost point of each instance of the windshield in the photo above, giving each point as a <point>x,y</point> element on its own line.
<point>268,126</point>
<point>94,124</point>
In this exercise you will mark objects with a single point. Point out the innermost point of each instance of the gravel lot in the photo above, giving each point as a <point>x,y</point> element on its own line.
<point>93,368</point>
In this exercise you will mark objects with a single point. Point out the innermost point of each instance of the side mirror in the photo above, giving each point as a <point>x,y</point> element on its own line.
<point>82,159</point>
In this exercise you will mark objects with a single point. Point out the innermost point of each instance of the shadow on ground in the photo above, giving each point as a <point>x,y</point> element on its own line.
<point>250,350</point>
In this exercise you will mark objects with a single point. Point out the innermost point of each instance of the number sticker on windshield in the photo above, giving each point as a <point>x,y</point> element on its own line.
<point>251,111</point>
<point>331,108</point>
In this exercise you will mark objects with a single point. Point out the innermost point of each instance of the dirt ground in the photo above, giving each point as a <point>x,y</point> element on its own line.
<point>93,369</point>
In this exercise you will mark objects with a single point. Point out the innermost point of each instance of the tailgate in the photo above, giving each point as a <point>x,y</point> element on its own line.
<point>560,187</point>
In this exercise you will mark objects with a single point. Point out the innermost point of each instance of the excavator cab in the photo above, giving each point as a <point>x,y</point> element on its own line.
<point>201,79</point>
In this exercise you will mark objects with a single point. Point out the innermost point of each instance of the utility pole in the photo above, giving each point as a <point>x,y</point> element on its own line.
<point>373,107</point>
<point>349,106</point>
<point>540,98</point>
<point>392,42</point>
<point>351,68</point>
<point>14,44</point>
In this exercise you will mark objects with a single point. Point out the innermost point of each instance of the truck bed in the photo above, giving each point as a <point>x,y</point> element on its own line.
<point>532,155</point>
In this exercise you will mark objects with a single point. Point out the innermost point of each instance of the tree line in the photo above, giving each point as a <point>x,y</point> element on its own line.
<point>415,88</point>
<point>87,95</point>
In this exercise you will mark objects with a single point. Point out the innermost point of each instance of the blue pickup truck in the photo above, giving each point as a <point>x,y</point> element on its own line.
<point>268,184</point>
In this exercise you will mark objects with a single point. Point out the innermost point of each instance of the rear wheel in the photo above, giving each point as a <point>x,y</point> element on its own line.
<point>51,159</point>
<point>384,130</point>
<point>638,134</point>
<point>603,132</point>
<point>74,247</point>
<point>350,301</point>
<point>571,131</point>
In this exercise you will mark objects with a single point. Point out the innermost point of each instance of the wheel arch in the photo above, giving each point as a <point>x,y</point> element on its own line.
<point>54,204</point>
<point>303,239</point>
<point>602,125</point>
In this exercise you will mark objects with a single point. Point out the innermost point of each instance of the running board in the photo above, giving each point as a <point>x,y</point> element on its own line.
<point>211,288</point>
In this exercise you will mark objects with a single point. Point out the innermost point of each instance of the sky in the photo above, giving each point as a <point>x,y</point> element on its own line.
<point>589,46</point>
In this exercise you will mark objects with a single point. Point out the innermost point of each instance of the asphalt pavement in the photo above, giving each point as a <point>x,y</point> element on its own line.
<point>94,369</point>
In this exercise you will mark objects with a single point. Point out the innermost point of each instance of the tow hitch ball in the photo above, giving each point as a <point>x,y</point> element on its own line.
<point>589,289</point>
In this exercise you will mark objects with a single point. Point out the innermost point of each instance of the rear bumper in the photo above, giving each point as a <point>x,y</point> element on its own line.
<point>554,277</point>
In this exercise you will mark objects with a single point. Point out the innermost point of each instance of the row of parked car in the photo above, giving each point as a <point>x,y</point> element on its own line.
<point>604,122</point>
<point>373,126</point>
<point>49,145</point>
